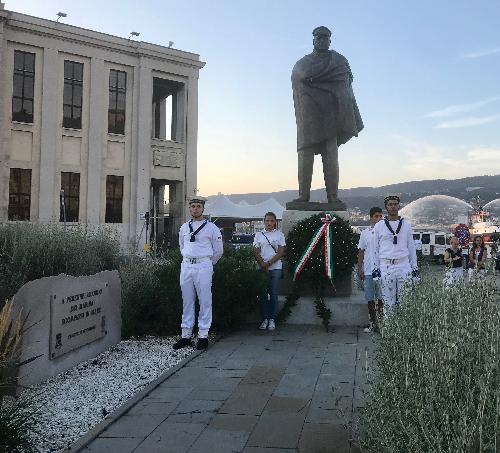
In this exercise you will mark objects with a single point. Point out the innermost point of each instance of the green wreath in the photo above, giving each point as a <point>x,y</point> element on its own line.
<point>344,248</point>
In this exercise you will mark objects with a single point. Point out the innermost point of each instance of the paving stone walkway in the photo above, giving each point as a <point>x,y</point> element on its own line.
<point>297,389</point>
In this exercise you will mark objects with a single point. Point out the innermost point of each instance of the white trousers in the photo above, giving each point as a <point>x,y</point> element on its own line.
<point>474,274</point>
<point>453,275</point>
<point>394,278</point>
<point>196,279</point>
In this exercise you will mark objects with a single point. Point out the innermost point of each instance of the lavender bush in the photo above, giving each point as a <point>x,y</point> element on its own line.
<point>436,385</point>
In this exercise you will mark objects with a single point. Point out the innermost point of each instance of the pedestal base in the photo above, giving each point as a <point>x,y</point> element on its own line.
<point>346,311</point>
<point>337,205</point>
<point>293,216</point>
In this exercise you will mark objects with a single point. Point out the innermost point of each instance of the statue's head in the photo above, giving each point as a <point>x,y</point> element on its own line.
<point>321,40</point>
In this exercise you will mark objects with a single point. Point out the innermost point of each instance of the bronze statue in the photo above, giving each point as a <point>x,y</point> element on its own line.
<point>326,112</point>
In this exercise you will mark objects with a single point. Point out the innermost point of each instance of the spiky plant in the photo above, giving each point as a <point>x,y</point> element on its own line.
<point>10,348</point>
<point>436,384</point>
<point>16,419</point>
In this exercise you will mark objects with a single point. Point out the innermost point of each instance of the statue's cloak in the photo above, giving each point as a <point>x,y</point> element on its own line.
<point>324,102</point>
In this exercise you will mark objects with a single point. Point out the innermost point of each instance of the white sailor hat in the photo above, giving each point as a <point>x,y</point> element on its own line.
<point>197,199</point>
<point>391,197</point>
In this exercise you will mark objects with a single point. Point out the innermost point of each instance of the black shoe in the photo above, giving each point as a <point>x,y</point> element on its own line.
<point>182,343</point>
<point>202,343</point>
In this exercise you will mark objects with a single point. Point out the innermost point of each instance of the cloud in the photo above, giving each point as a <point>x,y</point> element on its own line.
<point>461,108</point>
<point>479,53</point>
<point>467,122</point>
<point>423,160</point>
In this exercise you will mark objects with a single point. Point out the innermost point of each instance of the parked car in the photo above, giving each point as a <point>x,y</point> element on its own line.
<point>241,240</point>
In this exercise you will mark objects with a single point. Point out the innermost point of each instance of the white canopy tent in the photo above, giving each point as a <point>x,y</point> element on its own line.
<point>222,207</point>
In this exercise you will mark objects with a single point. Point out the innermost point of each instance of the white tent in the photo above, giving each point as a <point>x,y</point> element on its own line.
<point>221,206</point>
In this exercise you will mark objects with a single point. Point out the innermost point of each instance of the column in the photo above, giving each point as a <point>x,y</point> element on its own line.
<point>50,127</point>
<point>5,107</point>
<point>96,180</point>
<point>143,151</point>
<point>191,137</point>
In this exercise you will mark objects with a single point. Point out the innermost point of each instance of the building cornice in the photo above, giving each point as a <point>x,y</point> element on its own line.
<point>51,29</point>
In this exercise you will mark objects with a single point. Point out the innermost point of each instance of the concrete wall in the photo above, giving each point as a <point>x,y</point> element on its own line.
<point>47,148</point>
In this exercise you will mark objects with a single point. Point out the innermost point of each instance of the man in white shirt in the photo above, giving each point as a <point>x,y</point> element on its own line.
<point>200,242</point>
<point>365,269</point>
<point>269,248</point>
<point>394,253</point>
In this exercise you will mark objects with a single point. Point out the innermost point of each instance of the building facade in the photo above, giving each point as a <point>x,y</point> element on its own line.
<point>94,128</point>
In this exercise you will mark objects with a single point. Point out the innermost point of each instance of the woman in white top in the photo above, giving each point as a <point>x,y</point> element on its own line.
<point>269,248</point>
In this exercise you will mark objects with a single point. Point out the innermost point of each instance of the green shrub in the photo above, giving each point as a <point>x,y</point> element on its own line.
<point>436,386</point>
<point>236,286</point>
<point>151,295</point>
<point>31,251</point>
<point>152,300</point>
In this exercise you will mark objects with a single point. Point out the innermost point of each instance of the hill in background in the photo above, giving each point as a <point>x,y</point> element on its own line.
<point>486,187</point>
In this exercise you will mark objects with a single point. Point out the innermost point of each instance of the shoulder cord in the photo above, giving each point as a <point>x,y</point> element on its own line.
<point>193,234</point>
<point>272,246</point>
<point>398,229</point>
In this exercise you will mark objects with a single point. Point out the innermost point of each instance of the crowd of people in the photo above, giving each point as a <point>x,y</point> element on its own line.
<point>387,265</point>
<point>387,260</point>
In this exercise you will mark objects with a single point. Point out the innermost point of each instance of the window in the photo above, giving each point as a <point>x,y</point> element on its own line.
<point>70,183</point>
<point>114,199</point>
<point>19,194</point>
<point>416,236</point>
<point>165,106</point>
<point>72,97</point>
<point>426,238</point>
<point>23,87</point>
<point>117,96</point>
<point>439,240</point>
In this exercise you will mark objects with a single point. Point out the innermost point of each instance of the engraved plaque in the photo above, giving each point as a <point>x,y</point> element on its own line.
<point>76,318</point>
<point>168,157</point>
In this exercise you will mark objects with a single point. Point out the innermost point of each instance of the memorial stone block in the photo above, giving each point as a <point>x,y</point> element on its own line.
<point>70,319</point>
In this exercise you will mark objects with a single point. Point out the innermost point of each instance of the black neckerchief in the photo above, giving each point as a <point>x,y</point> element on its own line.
<point>193,234</point>
<point>398,229</point>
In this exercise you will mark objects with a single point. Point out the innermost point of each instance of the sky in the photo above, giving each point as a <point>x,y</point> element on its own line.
<point>426,80</point>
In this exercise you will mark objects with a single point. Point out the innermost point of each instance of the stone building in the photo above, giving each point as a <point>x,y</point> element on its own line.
<point>94,127</point>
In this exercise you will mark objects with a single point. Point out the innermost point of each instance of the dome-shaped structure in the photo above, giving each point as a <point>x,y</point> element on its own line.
<point>493,207</point>
<point>436,211</point>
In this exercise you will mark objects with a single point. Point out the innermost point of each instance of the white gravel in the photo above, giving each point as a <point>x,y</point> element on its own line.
<point>72,403</point>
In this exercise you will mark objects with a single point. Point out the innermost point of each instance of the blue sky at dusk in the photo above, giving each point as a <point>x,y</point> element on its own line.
<point>426,79</point>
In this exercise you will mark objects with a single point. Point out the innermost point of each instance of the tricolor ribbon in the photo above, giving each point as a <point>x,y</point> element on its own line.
<point>325,232</point>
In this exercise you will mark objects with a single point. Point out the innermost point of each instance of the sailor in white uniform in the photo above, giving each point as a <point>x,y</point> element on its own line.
<point>365,269</point>
<point>200,242</point>
<point>394,253</point>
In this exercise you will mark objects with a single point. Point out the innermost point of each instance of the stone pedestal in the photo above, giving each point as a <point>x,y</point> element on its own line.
<point>346,311</point>
<point>292,216</point>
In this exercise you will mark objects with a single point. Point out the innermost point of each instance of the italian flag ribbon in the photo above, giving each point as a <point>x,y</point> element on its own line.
<point>325,232</point>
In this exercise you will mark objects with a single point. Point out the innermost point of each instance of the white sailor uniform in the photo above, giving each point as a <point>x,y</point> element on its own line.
<point>395,256</point>
<point>199,256</point>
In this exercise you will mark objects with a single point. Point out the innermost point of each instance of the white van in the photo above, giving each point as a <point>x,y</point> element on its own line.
<point>434,243</point>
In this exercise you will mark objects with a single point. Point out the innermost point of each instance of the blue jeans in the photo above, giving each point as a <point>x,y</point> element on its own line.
<point>269,306</point>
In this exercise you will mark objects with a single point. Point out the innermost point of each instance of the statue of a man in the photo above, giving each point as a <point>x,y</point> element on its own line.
<point>325,110</point>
